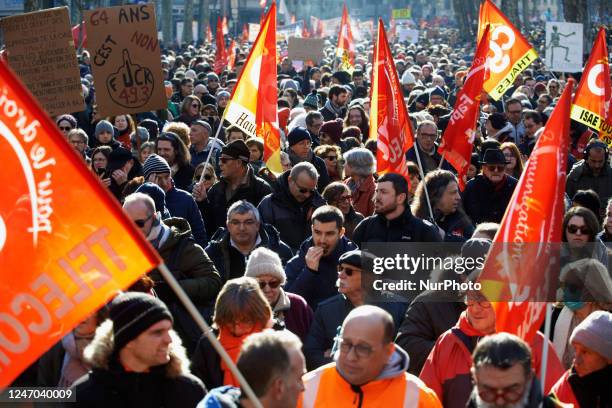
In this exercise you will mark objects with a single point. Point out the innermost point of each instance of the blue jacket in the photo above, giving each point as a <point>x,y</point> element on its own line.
<point>181,204</point>
<point>315,286</point>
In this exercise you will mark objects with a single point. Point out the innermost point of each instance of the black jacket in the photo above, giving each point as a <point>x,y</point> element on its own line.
<point>183,178</point>
<point>405,228</point>
<point>457,227</point>
<point>231,263</point>
<point>319,164</point>
<point>109,385</point>
<point>291,219</point>
<point>485,202</point>
<point>214,208</point>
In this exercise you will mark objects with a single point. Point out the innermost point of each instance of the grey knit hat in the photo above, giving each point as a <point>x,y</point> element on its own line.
<point>311,100</point>
<point>104,126</point>
<point>595,333</point>
<point>155,164</point>
<point>263,261</point>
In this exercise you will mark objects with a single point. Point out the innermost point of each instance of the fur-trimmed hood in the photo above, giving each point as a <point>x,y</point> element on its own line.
<point>100,352</point>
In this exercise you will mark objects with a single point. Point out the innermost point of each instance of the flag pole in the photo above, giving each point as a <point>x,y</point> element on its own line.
<point>545,348</point>
<point>180,293</point>
<point>441,160</point>
<point>418,156</point>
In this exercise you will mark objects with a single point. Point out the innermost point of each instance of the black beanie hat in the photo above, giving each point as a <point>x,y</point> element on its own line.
<point>498,120</point>
<point>298,134</point>
<point>134,312</point>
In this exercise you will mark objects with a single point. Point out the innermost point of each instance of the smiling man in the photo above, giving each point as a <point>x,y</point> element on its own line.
<point>137,359</point>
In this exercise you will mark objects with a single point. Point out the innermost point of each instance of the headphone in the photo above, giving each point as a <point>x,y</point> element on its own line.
<point>596,144</point>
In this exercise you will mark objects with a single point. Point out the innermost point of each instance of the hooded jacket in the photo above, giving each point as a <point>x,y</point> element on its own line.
<point>292,219</point>
<point>110,385</point>
<point>591,390</point>
<point>393,387</point>
<point>231,263</point>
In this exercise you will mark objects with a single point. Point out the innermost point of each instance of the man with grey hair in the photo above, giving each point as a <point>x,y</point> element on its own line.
<point>273,364</point>
<point>231,246</point>
<point>426,136</point>
<point>290,207</point>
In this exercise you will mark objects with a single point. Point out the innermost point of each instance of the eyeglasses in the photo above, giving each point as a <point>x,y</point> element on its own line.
<point>573,229</point>
<point>480,301</point>
<point>271,284</point>
<point>428,135</point>
<point>141,223</point>
<point>361,350</point>
<point>498,168</point>
<point>66,128</point>
<point>348,271</point>
<point>331,158</point>
<point>509,394</point>
<point>195,105</point>
<point>303,190</point>
<point>246,223</point>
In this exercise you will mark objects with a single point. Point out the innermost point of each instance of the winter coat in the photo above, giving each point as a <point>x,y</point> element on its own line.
<point>216,204</point>
<point>581,178</point>
<point>315,286</point>
<point>485,202</point>
<point>590,391</point>
<point>231,263</point>
<point>330,114</point>
<point>405,228</point>
<point>182,205</point>
<point>292,219</point>
<point>328,319</point>
<point>294,312</point>
<point>447,368</point>
<point>505,134</point>
<point>110,385</point>
<point>430,162</point>
<point>319,164</point>
<point>426,319</point>
<point>183,178</point>
<point>457,227</point>
<point>200,157</point>
<point>363,196</point>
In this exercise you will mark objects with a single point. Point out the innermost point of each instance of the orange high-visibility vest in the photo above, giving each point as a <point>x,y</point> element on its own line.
<point>324,387</point>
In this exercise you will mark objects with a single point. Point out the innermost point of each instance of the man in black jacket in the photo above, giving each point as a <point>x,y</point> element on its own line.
<point>335,105</point>
<point>238,182</point>
<point>300,150</point>
<point>393,221</point>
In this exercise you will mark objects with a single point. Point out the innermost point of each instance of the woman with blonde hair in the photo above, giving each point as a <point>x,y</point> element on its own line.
<point>512,154</point>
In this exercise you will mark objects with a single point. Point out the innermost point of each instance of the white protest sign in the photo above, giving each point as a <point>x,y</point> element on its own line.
<point>407,34</point>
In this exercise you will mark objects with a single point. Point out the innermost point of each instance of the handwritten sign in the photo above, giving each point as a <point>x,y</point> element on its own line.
<point>41,51</point>
<point>125,59</point>
<point>304,49</point>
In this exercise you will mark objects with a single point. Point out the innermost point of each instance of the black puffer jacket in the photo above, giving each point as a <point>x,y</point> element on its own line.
<point>109,385</point>
<point>292,219</point>
<point>485,202</point>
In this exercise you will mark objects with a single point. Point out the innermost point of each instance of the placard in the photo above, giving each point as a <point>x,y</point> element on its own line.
<point>408,34</point>
<point>125,59</point>
<point>41,51</point>
<point>253,31</point>
<point>564,47</point>
<point>305,49</point>
<point>402,14</point>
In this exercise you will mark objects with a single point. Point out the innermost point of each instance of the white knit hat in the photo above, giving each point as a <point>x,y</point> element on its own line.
<point>595,333</point>
<point>262,261</point>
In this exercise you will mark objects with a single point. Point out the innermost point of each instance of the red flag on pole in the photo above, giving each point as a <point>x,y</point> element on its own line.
<point>75,35</point>
<point>389,122</point>
<point>521,265</point>
<point>61,257</point>
<point>221,59</point>
<point>346,49</point>
<point>245,33</point>
<point>208,34</point>
<point>232,55</point>
<point>458,139</point>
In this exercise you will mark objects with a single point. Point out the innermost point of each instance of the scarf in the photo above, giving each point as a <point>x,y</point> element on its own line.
<point>232,345</point>
<point>339,112</point>
<point>159,234</point>
<point>467,328</point>
<point>73,366</point>
<point>295,159</point>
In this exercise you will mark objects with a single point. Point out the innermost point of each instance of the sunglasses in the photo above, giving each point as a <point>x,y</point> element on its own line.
<point>331,158</point>
<point>141,223</point>
<point>573,229</point>
<point>208,177</point>
<point>66,128</point>
<point>195,105</point>
<point>498,168</point>
<point>271,284</point>
<point>226,159</point>
<point>348,271</point>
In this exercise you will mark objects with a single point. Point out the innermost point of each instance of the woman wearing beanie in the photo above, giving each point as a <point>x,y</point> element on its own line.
<point>105,135</point>
<point>265,266</point>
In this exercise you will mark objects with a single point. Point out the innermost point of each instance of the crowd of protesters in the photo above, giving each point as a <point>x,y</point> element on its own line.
<point>275,261</point>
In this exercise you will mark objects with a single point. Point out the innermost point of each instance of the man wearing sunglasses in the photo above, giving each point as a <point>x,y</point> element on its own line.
<point>369,369</point>
<point>487,195</point>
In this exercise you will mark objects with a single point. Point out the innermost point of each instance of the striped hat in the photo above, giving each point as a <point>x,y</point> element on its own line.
<point>155,164</point>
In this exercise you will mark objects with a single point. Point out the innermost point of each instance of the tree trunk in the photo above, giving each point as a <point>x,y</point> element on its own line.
<point>526,15</point>
<point>167,21</point>
<point>188,22</point>
<point>204,18</point>
<point>510,9</point>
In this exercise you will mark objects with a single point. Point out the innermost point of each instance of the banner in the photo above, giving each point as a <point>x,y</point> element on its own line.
<point>389,121</point>
<point>330,27</point>
<point>401,14</point>
<point>520,271</point>
<point>66,246</point>
<point>564,47</point>
<point>41,51</point>
<point>510,53</point>
<point>125,59</point>
<point>407,34</point>
<point>305,49</point>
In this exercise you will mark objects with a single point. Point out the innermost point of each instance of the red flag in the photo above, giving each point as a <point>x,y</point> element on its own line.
<point>245,33</point>
<point>518,271</point>
<point>389,119</point>
<point>232,55</point>
<point>61,257</point>
<point>221,59</point>
<point>346,49</point>
<point>208,34</point>
<point>75,35</point>
<point>458,139</point>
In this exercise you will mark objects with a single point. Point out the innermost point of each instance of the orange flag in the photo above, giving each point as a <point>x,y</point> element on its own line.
<point>252,107</point>
<point>388,115</point>
<point>221,58</point>
<point>346,49</point>
<point>522,264</point>
<point>66,246</point>
<point>458,139</point>
<point>208,34</point>
<point>509,52</point>
<point>593,96</point>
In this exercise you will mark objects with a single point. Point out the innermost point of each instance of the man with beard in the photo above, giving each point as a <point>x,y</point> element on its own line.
<point>335,105</point>
<point>312,273</point>
<point>393,221</point>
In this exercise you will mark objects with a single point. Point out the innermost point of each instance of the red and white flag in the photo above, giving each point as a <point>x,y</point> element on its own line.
<point>346,48</point>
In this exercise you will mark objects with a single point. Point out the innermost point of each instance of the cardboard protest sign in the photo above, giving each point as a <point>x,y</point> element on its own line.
<point>331,27</point>
<point>408,34</point>
<point>125,59</point>
<point>305,49</point>
<point>253,31</point>
<point>41,51</point>
<point>564,46</point>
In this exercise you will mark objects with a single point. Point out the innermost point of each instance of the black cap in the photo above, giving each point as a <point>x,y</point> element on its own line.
<point>494,156</point>
<point>118,158</point>
<point>237,149</point>
<point>351,258</point>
